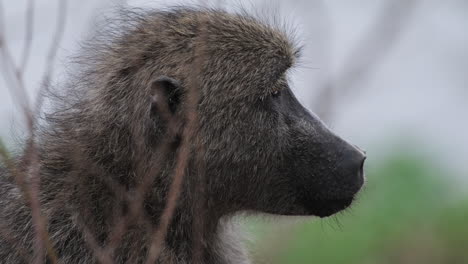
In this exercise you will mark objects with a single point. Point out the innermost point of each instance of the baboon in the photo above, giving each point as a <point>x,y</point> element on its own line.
<point>256,148</point>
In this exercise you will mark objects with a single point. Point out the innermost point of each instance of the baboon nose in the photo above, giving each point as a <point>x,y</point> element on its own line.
<point>355,166</point>
<point>361,166</point>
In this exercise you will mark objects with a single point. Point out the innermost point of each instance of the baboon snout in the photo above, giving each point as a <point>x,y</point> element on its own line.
<point>353,165</point>
<point>335,180</point>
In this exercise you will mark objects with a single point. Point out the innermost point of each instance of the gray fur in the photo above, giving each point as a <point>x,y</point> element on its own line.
<point>263,152</point>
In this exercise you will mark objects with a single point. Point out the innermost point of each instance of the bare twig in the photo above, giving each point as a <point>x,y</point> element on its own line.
<point>14,75</point>
<point>98,252</point>
<point>28,36</point>
<point>199,207</point>
<point>79,162</point>
<point>52,53</point>
<point>183,155</point>
<point>136,198</point>
<point>369,52</point>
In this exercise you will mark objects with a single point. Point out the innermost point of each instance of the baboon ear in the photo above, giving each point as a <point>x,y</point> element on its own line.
<point>165,93</point>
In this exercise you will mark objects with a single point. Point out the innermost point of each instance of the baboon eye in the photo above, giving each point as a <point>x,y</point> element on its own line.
<point>275,93</point>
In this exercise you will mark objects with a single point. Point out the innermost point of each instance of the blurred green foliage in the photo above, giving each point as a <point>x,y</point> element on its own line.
<point>406,214</point>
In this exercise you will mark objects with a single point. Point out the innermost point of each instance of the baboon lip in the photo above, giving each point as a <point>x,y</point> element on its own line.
<point>327,207</point>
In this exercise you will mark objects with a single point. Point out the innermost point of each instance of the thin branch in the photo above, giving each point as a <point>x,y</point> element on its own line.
<point>13,76</point>
<point>199,207</point>
<point>57,38</point>
<point>136,198</point>
<point>98,252</point>
<point>32,199</point>
<point>28,36</point>
<point>369,52</point>
<point>183,154</point>
<point>17,89</point>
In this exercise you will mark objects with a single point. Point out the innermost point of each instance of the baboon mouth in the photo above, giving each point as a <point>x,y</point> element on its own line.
<point>328,207</point>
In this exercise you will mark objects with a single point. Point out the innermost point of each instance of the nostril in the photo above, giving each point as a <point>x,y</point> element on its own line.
<point>361,169</point>
<point>353,163</point>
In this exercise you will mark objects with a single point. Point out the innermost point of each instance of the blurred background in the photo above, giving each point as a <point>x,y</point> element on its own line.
<point>391,76</point>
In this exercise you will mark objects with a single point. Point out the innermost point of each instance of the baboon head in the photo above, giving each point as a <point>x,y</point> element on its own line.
<point>262,150</point>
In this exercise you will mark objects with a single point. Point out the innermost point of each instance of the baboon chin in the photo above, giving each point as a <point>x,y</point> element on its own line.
<point>256,148</point>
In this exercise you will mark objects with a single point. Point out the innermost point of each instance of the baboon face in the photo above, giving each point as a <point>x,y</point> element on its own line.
<point>263,151</point>
<point>270,154</point>
<point>273,155</point>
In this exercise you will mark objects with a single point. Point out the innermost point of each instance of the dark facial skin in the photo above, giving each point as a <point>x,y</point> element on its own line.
<point>284,160</point>
<point>327,171</point>
<point>272,155</point>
